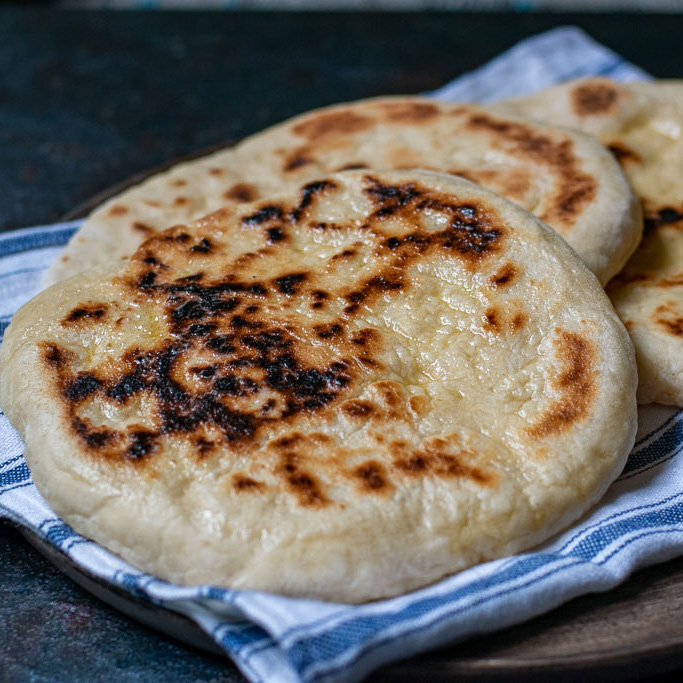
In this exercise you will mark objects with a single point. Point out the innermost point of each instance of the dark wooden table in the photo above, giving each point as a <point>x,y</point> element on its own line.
<point>87,99</point>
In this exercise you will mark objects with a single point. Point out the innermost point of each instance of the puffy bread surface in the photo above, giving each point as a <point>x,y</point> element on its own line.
<point>345,393</point>
<point>565,178</point>
<point>642,123</point>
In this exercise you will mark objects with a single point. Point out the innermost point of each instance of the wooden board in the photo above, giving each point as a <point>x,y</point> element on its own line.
<point>632,632</point>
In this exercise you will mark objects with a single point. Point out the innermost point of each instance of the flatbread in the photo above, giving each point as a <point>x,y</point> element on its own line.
<point>345,392</point>
<point>565,178</point>
<point>642,123</point>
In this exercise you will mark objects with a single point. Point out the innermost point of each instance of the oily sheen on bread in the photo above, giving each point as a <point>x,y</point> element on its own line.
<point>565,178</point>
<point>344,392</point>
<point>642,123</point>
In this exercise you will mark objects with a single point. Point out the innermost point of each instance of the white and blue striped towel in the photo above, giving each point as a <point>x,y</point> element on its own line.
<point>275,639</point>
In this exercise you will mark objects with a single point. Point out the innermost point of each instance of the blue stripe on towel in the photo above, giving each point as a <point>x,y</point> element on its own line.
<point>33,238</point>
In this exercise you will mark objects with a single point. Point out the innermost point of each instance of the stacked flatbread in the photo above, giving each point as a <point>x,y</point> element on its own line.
<point>337,385</point>
<point>342,392</point>
<point>642,123</point>
<point>565,178</point>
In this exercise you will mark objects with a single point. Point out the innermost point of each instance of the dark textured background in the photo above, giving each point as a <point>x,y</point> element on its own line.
<point>88,98</point>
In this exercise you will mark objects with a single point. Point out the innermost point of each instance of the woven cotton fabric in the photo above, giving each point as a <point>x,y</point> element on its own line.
<point>277,639</point>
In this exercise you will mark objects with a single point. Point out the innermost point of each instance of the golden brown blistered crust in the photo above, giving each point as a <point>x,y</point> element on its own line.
<point>358,408</point>
<point>513,183</point>
<point>352,166</point>
<point>624,155</point>
<point>658,217</point>
<point>85,312</point>
<point>409,112</point>
<point>498,321</point>
<point>243,483</point>
<point>118,210</point>
<point>330,130</point>
<point>230,366</point>
<point>577,384</point>
<point>241,192</point>
<point>371,477</point>
<point>656,220</point>
<point>644,278</point>
<point>302,483</point>
<point>329,124</point>
<point>594,98</point>
<point>668,318</point>
<point>142,228</point>
<point>505,276</point>
<point>301,156</point>
<point>575,187</point>
<point>439,457</point>
<point>672,281</point>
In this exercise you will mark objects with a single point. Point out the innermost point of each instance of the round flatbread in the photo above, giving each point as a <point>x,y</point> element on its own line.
<point>642,123</point>
<point>565,178</point>
<point>345,392</point>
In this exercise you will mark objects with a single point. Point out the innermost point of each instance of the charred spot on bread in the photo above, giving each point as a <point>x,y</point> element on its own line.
<point>623,154</point>
<point>574,189</point>
<point>297,158</point>
<point>325,124</point>
<point>577,384</point>
<point>504,276</point>
<point>241,192</point>
<point>308,192</point>
<point>265,214</point>
<point>233,366</point>
<point>85,313</point>
<point>372,477</point>
<point>594,98</point>
<point>409,112</point>
<point>142,227</point>
<point>668,319</point>
<point>667,215</point>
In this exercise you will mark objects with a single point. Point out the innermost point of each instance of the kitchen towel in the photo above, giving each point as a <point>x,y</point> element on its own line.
<point>277,639</point>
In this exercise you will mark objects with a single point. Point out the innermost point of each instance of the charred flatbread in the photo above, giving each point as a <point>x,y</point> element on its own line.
<point>642,123</point>
<point>344,392</point>
<point>565,178</point>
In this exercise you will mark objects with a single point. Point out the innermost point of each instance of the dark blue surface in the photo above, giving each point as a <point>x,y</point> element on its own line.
<point>89,98</point>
